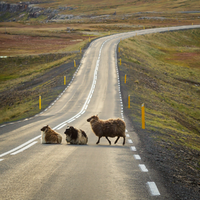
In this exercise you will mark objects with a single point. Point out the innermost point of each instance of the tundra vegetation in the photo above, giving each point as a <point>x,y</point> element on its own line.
<point>163,72</point>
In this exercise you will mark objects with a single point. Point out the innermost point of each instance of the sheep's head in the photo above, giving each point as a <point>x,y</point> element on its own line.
<point>69,130</point>
<point>93,118</point>
<point>71,133</point>
<point>44,128</point>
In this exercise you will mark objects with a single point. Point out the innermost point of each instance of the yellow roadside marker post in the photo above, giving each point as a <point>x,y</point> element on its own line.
<point>119,49</point>
<point>74,63</point>
<point>143,116</point>
<point>80,50</point>
<point>125,78</point>
<point>129,101</point>
<point>40,103</point>
<point>64,80</point>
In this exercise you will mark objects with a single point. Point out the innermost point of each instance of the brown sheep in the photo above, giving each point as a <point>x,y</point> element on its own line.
<point>107,128</point>
<point>49,136</point>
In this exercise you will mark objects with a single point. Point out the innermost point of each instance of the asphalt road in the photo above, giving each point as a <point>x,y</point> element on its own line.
<point>31,170</point>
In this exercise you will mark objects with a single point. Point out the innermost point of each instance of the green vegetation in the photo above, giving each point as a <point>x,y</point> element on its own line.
<point>24,79</point>
<point>163,71</point>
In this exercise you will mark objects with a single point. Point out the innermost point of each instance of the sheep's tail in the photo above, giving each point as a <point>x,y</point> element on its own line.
<point>59,139</point>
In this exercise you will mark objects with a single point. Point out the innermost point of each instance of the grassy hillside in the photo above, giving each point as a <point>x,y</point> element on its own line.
<point>24,79</point>
<point>19,39</point>
<point>163,72</point>
<point>121,6</point>
<point>150,13</point>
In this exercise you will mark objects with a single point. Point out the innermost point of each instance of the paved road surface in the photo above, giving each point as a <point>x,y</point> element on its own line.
<point>31,170</point>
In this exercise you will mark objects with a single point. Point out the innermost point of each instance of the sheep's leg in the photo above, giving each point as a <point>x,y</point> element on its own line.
<point>108,140</point>
<point>124,141</point>
<point>117,139</point>
<point>98,140</point>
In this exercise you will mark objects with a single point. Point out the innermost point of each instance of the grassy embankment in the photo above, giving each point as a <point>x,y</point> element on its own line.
<point>163,72</point>
<point>19,97</point>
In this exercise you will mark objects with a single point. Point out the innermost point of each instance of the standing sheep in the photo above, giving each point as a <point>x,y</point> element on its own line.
<point>107,128</point>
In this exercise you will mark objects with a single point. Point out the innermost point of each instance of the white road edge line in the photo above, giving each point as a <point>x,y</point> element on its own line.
<point>133,148</point>
<point>15,149</point>
<point>130,141</point>
<point>90,93</point>
<point>137,157</point>
<point>153,189</point>
<point>26,147</point>
<point>61,126</point>
<point>143,168</point>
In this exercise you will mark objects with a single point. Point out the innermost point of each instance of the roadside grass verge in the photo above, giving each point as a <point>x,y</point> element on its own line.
<point>16,70</point>
<point>24,79</point>
<point>163,72</point>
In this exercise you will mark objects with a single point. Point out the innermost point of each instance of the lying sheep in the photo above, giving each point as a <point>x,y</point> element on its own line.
<point>75,136</point>
<point>107,128</point>
<point>50,136</point>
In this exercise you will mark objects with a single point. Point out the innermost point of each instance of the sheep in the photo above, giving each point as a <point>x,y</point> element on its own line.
<point>75,136</point>
<point>50,136</point>
<point>107,128</point>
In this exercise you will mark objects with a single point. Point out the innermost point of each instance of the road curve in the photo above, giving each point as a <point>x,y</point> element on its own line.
<point>31,170</point>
